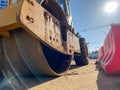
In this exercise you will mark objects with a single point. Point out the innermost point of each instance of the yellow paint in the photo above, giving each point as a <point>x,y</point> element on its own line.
<point>8,19</point>
<point>4,30</point>
<point>4,33</point>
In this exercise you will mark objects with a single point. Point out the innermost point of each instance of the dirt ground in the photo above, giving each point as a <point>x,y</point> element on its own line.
<point>81,78</point>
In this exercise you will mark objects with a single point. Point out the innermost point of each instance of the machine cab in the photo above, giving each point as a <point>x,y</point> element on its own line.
<point>66,9</point>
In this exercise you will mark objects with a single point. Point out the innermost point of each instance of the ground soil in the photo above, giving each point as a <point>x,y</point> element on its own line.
<point>89,77</point>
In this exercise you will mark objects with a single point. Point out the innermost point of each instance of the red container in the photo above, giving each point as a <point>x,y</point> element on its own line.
<point>110,62</point>
<point>100,55</point>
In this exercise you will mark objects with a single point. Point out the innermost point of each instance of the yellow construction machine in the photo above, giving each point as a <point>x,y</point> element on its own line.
<point>37,38</point>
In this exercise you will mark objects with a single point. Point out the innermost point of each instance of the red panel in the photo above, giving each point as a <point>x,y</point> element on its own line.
<point>110,61</point>
<point>100,54</point>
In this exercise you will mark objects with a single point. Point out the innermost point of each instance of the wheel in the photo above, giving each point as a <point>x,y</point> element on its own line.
<point>81,58</point>
<point>28,55</point>
<point>40,58</point>
<point>25,56</point>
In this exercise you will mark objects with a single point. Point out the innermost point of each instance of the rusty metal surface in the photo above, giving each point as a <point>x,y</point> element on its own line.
<point>44,26</point>
<point>48,30</point>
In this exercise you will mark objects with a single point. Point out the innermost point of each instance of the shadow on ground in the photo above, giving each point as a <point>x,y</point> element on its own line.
<point>73,66</point>
<point>24,83</point>
<point>107,82</point>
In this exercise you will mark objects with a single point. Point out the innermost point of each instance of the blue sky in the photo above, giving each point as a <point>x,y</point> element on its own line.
<point>89,14</point>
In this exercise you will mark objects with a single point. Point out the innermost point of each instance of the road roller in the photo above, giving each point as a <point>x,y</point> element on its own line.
<point>37,39</point>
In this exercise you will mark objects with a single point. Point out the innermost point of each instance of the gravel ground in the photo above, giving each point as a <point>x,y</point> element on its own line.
<point>81,78</point>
